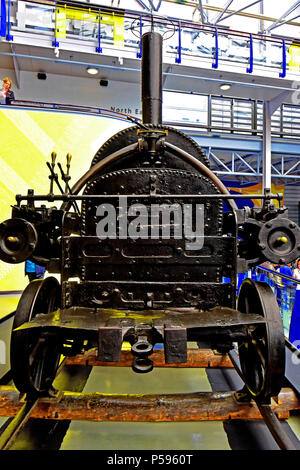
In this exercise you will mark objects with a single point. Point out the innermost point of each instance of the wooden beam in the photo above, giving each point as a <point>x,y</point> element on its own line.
<point>195,358</point>
<point>202,406</point>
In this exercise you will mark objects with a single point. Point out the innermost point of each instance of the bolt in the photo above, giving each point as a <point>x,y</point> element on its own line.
<point>178,290</point>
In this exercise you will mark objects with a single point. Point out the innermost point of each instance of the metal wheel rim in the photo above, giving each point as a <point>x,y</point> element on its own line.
<point>34,360</point>
<point>262,357</point>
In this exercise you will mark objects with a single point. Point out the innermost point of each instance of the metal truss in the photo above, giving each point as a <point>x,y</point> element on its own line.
<point>250,165</point>
<point>219,16</point>
<point>204,17</point>
<point>222,18</point>
<point>279,22</point>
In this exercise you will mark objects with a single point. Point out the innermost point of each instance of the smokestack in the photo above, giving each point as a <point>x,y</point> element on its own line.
<point>152,78</point>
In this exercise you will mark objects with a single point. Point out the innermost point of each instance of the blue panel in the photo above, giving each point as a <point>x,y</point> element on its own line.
<point>215,65</point>
<point>283,73</point>
<point>250,68</point>
<point>178,59</point>
<point>295,320</point>
<point>227,143</point>
<point>3,19</point>
<point>222,142</point>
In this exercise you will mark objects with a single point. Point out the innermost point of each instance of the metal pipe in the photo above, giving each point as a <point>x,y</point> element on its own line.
<point>240,10</point>
<point>283,16</point>
<point>130,148</point>
<point>152,78</point>
<point>88,197</point>
<point>203,169</point>
<point>267,138</point>
<point>96,168</point>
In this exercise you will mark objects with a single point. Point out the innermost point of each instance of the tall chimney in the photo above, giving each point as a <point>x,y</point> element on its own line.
<point>152,78</point>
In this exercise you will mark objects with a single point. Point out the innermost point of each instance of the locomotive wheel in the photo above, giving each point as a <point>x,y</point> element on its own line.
<point>129,136</point>
<point>262,354</point>
<point>34,358</point>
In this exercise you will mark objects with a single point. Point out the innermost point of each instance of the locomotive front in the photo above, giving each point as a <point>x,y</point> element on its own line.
<point>142,243</point>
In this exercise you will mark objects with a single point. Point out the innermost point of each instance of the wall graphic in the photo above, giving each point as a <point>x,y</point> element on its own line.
<point>252,188</point>
<point>27,140</point>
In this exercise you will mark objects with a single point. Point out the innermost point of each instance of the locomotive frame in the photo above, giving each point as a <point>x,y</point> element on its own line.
<point>146,291</point>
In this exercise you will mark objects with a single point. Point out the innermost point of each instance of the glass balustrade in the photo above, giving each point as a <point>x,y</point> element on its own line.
<point>183,41</point>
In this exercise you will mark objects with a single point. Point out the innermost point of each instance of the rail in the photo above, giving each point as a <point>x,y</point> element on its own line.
<point>116,29</point>
<point>229,114</point>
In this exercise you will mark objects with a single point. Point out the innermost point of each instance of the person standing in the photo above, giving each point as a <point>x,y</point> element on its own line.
<point>287,296</point>
<point>296,272</point>
<point>6,94</point>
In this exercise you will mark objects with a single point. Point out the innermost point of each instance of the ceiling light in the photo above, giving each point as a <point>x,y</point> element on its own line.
<point>225,86</point>
<point>92,71</point>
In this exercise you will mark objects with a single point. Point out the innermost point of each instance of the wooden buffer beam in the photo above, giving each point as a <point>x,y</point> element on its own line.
<point>202,406</point>
<point>195,358</point>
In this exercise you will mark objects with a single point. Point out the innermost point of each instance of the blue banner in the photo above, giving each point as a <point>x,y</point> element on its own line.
<point>3,19</point>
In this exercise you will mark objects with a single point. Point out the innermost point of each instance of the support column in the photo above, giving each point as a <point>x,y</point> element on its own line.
<point>267,146</point>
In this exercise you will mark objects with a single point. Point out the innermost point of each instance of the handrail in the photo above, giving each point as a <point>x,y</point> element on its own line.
<point>190,28</point>
<point>218,118</point>
<point>77,108</point>
<point>282,276</point>
<point>163,19</point>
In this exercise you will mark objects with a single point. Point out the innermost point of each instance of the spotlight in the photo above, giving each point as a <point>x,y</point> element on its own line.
<point>42,76</point>
<point>92,70</point>
<point>225,86</point>
<point>103,82</point>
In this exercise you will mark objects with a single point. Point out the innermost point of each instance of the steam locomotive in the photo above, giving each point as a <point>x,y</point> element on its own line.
<point>142,243</point>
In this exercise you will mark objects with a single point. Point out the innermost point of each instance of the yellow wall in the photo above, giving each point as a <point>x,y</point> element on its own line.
<point>27,140</point>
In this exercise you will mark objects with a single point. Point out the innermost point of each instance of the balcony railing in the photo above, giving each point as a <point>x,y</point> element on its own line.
<point>111,28</point>
<point>285,290</point>
<point>230,115</point>
<point>210,113</point>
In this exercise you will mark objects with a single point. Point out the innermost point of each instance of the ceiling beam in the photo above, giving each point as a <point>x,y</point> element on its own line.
<point>240,10</point>
<point>16,65</point>
<point>245,14</point>
<point>218,18</point>
<point>285,14</point>
<point>203,15</point>
<point>142,4</point>
<point>283,22</point>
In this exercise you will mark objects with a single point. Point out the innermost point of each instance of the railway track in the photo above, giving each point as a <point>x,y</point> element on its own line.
<point>56,413</point>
